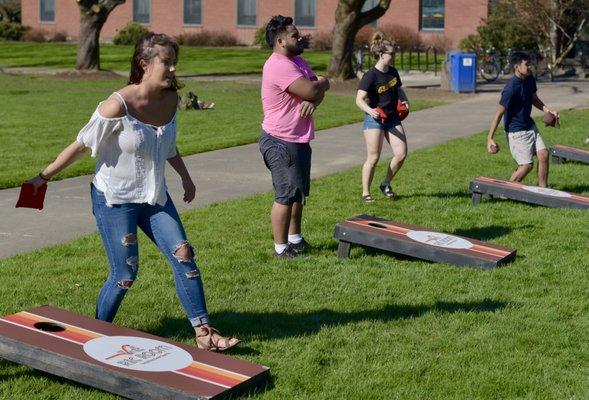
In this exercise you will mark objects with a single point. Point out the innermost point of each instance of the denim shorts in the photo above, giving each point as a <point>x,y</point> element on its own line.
<point>290,166</point>
<point>371,123</point>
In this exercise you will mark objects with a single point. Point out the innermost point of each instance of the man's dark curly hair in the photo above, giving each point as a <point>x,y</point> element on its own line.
<point>519,56</point>
<point>276,27</point>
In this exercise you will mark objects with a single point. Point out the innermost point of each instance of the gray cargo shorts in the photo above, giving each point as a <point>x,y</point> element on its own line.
<point>290,166</point>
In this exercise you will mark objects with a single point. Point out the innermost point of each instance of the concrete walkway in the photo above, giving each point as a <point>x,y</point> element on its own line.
<point>239,171</point>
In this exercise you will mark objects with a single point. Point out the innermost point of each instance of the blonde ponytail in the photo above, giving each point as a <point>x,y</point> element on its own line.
<point>378,44</point>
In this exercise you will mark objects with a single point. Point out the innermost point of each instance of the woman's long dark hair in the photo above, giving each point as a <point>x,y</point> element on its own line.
<point>145,50</point>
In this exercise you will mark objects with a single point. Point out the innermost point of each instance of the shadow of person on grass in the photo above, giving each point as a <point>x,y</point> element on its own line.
<point>279,324</point>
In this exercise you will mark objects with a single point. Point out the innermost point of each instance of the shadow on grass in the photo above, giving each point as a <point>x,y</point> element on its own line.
<point>461,194</point>
<point>487,232</point>
<point>278,324</point>
<point>575,189</point>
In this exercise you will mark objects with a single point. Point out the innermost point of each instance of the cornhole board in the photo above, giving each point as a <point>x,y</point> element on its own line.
<point>527,194</point>
<point>561,153</point>
<point>419,242</point>
<point>120,360</point>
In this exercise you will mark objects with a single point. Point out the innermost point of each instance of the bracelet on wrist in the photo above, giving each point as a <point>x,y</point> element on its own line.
<point>44,177</point>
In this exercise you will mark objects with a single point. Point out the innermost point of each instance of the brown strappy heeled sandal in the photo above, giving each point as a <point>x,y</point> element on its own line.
<point>207,340</point>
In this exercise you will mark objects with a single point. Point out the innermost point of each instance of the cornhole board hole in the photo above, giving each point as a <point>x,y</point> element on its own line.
<point>120,360</point>
<point>419,242</point>
<point>561,153</point>
<point>527,194</point>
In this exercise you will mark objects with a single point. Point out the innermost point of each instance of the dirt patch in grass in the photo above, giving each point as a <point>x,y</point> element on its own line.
<point>85,75</point>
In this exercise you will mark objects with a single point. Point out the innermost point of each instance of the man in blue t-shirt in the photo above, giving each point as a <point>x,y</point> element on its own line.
<point>517,98</point>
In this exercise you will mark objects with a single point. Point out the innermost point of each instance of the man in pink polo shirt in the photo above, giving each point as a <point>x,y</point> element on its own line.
<point>290,94</point>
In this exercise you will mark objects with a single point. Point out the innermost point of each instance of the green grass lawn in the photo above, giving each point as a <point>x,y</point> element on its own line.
<point>193,60</point>
<point>374,326</point>
<point>42,115</point>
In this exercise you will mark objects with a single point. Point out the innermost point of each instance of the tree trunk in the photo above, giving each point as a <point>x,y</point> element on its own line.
<point>340,67</point>
<point>349,18</point>
<point>93,15</point>
<point>88,44</point>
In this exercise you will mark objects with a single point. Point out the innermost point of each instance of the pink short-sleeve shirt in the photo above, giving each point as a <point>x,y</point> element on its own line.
<point>282,117</point>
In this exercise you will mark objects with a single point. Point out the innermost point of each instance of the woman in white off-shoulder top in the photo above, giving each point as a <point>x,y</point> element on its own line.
<point>133,134</point>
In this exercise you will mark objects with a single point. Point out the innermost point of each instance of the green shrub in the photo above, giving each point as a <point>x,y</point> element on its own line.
<point>11,30</point>
<point>130,34</point>
<point>503,30</point>
<point>35,35</point>
<point>58,37</point>
<point>207,38</point>
<point>321,41</point>
<point>260,38</point>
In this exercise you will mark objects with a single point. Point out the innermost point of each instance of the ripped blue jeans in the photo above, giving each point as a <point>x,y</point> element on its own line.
<point>118,226</point>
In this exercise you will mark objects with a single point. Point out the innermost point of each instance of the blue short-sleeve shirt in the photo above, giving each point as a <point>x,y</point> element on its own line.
<point>517,100</point>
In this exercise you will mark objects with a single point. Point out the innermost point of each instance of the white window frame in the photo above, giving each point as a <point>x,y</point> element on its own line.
<point>184,23</point>
<point>427,29</point>
<point>149,14</point>
<point>314,15</point>
<point>47,21</point>
<point>255,24</point>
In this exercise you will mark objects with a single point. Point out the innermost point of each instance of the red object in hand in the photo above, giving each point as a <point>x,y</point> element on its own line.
<point>381,114</point>
<point>28,198</point>
<point>402,110</point>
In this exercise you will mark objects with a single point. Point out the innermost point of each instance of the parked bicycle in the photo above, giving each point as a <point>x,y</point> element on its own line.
<point>494,65</point>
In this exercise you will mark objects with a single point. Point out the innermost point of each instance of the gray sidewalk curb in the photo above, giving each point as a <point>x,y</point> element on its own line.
<point>239,171</point>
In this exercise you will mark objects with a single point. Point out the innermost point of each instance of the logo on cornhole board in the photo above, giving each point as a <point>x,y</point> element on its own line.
<point>137,353</point>
<point>546,191</point>
<point>439,239</point>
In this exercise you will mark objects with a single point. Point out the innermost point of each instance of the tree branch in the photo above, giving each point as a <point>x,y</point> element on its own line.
<point>373,14</point>
<point>571,43</point>
<point>98,6</point>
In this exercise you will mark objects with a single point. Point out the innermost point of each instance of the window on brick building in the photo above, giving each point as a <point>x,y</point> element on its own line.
<point>304,13</point>
<point>369,5</point>
<point>432,15</point>
<point>142,11</point>
<point>192,12</point>
<point>47,10</point>
<point>246,12</point>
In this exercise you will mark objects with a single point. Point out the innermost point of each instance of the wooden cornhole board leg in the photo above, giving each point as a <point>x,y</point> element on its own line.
<point>524,193</point>
<point>343,249</point>
<point>419,242</point>
<point>122,361</point>
<point>558,160</point>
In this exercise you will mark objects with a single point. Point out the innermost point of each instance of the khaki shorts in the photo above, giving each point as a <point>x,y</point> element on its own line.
<point>524,145</point>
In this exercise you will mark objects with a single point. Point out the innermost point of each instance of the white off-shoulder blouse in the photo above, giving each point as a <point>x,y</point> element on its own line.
<point>131,156</point>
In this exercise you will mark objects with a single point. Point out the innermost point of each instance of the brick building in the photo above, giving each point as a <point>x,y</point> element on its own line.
<point>453,19</point>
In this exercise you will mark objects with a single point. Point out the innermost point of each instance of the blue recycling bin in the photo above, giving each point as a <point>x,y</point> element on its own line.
<point>463,71</point>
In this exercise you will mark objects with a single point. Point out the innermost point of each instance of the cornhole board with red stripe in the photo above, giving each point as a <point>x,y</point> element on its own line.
<point>561,153</point>
<point>419,242</point>
<point>120,360</point>
<point>527,194</point>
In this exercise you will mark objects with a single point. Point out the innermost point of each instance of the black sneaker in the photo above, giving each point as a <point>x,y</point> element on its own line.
<point>299,247</point>
<point>387,190</point>
<point>287,253</point>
